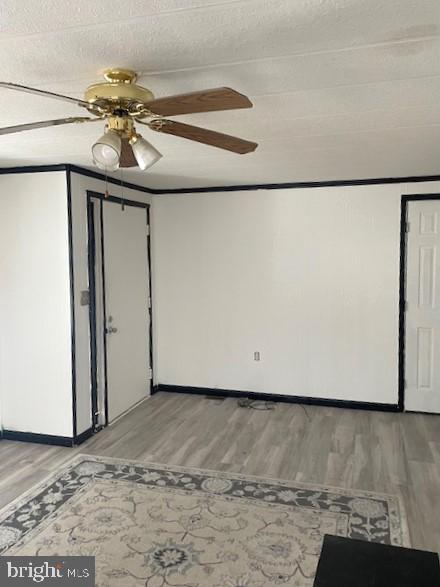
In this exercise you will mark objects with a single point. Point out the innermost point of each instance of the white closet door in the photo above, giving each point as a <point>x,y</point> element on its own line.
<point>422,337</point>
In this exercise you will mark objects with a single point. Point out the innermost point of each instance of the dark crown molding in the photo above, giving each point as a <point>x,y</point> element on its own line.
<point>112,180</point>
<point>299,185</point>
<point>74,169</point>
<point>227,188</point>
<point>33,169</point>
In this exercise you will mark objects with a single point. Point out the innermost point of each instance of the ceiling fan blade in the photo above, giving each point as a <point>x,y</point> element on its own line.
<point>43,93</point>
<point>203,135</point>
<point>127,158</point>
<point>204,101</point>
<point>44,124</point>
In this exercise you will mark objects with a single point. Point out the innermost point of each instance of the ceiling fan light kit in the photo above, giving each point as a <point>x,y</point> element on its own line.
<point>146,155</point>
<point>106,151</point>
<point>121,102</point>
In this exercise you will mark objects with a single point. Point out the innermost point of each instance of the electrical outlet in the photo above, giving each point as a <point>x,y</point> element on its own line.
<point>256,355</point>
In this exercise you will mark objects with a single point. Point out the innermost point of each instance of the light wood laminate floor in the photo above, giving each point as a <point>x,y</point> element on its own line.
<point>384,452</point>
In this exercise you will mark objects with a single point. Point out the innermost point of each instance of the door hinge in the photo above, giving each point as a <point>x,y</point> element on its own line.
<point>407,226</point>
<point>148,230</point>
<point>150,373</point>
<point>149,301</point>
<point>405,305</point>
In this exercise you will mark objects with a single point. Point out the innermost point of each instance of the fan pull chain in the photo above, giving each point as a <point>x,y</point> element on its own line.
<point>122,193</point>
<point>106,194</point>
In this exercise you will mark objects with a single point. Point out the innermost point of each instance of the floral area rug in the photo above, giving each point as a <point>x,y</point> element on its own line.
<point>159,526</point>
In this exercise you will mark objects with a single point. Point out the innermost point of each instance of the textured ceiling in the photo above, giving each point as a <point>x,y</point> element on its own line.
<point>341,88</point>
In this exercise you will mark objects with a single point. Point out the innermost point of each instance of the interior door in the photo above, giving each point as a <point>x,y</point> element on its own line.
<point>127,314</point>
<point>422,319</point>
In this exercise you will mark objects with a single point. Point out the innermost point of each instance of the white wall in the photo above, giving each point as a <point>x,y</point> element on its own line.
<point>308,277</point>
<point>35,351</point>
<point>79,186</point>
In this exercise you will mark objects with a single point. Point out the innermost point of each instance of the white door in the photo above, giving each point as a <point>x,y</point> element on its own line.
<point>422,337</point>
<point>127,306</point>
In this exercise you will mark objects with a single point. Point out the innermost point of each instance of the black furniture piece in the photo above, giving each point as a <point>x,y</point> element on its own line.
<point>345,562</point>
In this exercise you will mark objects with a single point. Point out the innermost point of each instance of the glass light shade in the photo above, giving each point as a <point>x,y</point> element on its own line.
<point>146,155</point>
<point>107,151</point>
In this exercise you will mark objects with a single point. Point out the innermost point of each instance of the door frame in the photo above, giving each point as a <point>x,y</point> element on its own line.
<point>402,287</point>
<point>91,256</point>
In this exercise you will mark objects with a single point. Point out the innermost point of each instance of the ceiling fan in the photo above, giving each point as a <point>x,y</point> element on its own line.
<point>121,102</point>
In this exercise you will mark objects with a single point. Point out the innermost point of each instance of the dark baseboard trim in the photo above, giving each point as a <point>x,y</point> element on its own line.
<point>80,438</point>
<point>422,413</point>
<point>272,397</point>
<point>38,438</point>
<point>46,438</point>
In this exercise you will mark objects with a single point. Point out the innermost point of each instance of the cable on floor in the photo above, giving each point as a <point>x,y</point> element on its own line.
<point>254,404</point>
<point>305,412</point>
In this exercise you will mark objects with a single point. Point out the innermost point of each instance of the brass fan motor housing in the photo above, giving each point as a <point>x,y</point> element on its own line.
<point>121,91</point>
<point>123,125</point>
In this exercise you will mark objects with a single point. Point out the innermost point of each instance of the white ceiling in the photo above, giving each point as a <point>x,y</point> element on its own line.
<point>342,89</point>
